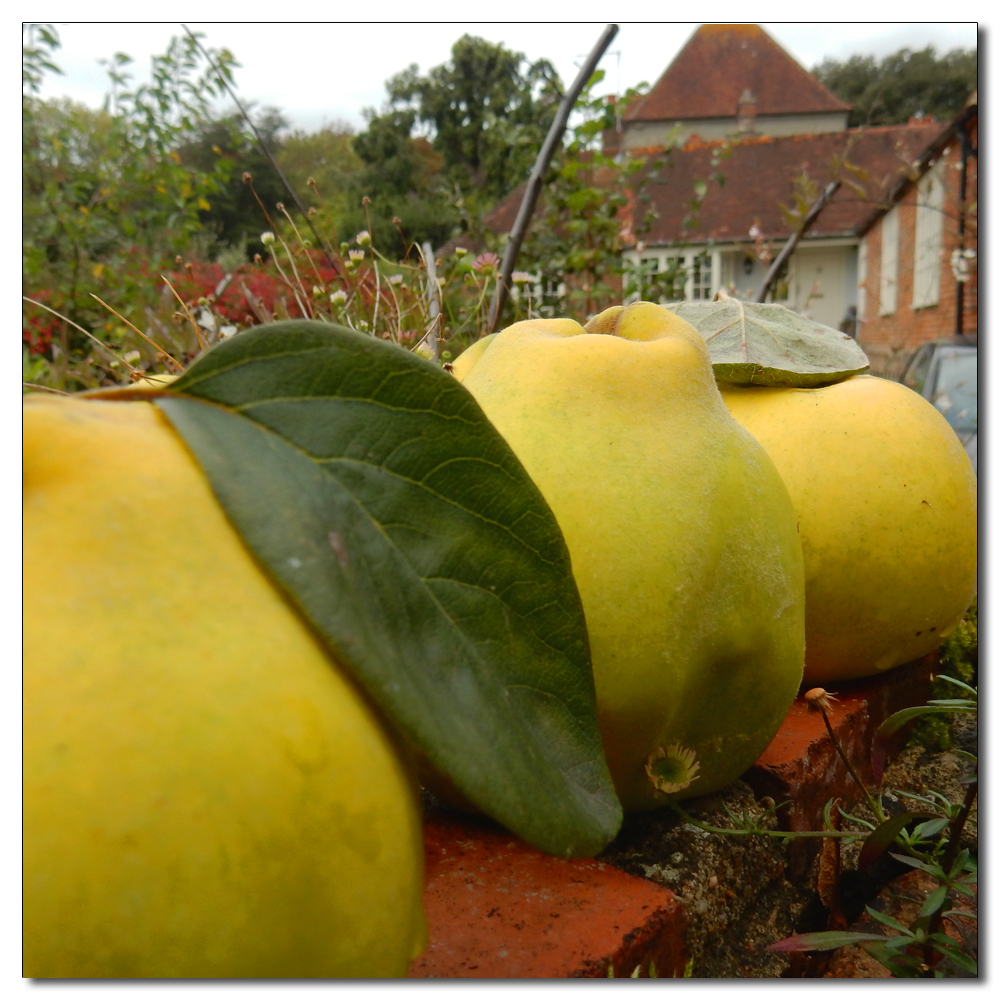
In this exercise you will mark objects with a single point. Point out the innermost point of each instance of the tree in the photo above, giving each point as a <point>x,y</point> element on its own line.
<point>593,207</point>
<point>401,180</point>
<point>902,85</point>
<point>235,217</point>
<point>488,115</point>
<point>328,157</point>
<point>106,199</point>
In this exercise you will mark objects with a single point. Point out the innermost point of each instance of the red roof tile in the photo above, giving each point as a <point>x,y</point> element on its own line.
<point>720,62</point>
<point>759,176</point>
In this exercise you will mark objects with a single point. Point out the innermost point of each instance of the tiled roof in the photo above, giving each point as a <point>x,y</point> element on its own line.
<point>720,62</point>
<point>760,175</point>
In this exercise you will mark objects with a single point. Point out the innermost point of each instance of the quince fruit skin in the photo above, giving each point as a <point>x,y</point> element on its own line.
<point>886,500</point>
<point>681,534</point>
<point>205,793</point>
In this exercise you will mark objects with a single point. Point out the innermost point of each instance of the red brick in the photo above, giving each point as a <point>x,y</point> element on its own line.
<point>801,764</point>
<point>498,909</point>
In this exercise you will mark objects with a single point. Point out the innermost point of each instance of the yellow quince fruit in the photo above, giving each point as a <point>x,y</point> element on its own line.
<point>886,501</point>
<point>681,533</point>
<point>206,794</point>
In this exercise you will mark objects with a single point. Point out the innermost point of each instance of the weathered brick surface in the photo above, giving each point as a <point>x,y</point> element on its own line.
<point>498,909</point>
<point>802,765</point>
<point>902,900</point>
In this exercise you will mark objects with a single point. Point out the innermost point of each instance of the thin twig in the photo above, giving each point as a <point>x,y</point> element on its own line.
<point>538,172</point>
<point>872,804</point>
<point>258,137</point>
<point>152,343</point>
<point>202,344</point>
<point>35,385</point>
<point>66,319</point>
<point>789,248</point>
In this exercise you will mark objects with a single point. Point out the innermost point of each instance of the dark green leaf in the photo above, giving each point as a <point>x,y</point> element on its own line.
<point>901,966</point>
<point>897,720</point>
<point>372,487</point>
<point>958,683</point>
<point>884,918</point>
<point>766,344</point>
<point>965,962</point>
<point>822,941</point>
<point>931,827</point>
<point>882,838</point>
<point>934,900</point>
<point>934,870</point>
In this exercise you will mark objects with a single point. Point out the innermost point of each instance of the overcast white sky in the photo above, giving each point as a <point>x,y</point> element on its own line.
<point>320,72</point>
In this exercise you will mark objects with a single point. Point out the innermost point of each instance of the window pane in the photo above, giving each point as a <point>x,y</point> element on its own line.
<point>890,262</point>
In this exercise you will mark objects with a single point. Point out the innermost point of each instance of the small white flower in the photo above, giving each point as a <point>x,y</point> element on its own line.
<point>363,239</point>
<point>206,320</point>
<point>357,255</point>
<point>267,238</point>
<point>227,331</point>
<point>395,279</point>
<point>339,297</point>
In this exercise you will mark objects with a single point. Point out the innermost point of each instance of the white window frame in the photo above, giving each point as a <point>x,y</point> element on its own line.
<point>663,259</point>
<point>928,234</point>
<point>889,277</point>
<point>862,278</point>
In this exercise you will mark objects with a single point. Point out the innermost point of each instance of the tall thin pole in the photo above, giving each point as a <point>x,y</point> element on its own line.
<point>538,171</point>
<point>789,248</point>
<point>433,299</point>
<point>263,145</point>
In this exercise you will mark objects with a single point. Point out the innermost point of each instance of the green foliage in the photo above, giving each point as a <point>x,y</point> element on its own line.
<point>106,198</point>
<point>326,157</point>
<point>591,209</point>
<point>400,178</point>
<point>489,114</point>
<point>234,217</point>
<point>922,949</point>
<point>892,90</point>
<point>959,655</point>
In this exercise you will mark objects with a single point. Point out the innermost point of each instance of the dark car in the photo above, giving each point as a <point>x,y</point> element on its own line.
<point>946,372</point>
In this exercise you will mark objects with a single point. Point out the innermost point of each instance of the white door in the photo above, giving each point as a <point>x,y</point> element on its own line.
<point>819,285</point>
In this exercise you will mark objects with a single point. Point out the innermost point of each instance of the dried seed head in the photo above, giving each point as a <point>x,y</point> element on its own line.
<point>280,206</point>
<point>818,700</point>
<point>366,201</point>
<point>397,221</point>
<point>673,769</point>
<point>247,178</point>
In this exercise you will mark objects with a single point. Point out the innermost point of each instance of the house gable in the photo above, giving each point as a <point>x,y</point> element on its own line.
<point>732,78</point>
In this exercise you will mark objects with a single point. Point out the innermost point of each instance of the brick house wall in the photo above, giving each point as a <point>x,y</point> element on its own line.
<point>889,340</point>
